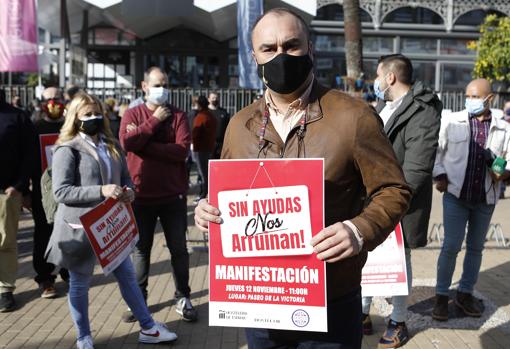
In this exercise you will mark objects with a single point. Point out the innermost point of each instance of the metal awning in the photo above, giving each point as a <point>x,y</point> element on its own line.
<point>151,17</point>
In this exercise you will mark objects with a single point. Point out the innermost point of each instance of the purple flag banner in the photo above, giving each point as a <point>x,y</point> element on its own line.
<point>18,36</point>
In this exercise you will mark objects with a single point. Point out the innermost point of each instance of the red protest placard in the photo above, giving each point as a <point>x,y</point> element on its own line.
<point>111,229</point>
<point>47,141</point>
<point>263,272</point>
<point>384,273</point>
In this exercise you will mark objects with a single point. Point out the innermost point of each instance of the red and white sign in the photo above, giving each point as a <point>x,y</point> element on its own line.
<point>111,229</point>
<point>384,273</point>
<point>47,142</point>
<point>263,272</point>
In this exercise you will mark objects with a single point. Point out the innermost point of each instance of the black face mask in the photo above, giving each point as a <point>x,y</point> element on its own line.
<point>90,127</point>
<point>285,73</point>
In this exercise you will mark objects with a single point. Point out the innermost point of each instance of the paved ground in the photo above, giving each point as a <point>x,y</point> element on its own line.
<point>40,323</point>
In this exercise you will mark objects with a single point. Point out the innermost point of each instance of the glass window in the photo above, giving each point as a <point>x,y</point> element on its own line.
<point>370,69</point>
<point>329,70</point>
<point>213,72</point>
<point>233,43</point>
<point>419,45</point>
<point>335,12</point>
<point>233,65</point>
<point>98,70</point>
<point>378,44</point>
<point>106,36</point>
<point>411,15</point>
<point>455,76</point>
<point>330,43</point>
<point>475,17</point>
<point>425,72</point>
<point>110,36</point>
<point>455,47</point>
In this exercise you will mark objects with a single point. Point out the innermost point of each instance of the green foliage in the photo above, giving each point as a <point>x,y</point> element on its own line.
<point>493,50</point>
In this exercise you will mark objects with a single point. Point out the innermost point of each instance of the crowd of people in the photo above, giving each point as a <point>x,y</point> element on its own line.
<point>380,167</point>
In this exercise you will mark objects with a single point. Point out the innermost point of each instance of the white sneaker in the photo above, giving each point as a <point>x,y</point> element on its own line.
<point>85,343</point>
<point>157,334</point>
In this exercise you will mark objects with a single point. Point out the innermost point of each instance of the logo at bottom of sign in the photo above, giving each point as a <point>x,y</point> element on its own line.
<point>300,318</point>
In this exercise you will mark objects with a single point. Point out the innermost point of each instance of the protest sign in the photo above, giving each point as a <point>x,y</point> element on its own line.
<point>47,141</point>
<point>384,273</point>
<point>263,272</point>
<point>111,229</point>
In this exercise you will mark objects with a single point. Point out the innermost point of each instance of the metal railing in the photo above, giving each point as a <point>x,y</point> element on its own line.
<point>494,233</point>
<point>231,99</point>
<point>454,100</point>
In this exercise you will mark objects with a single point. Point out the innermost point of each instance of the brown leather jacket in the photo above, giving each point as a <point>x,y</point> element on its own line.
<point>363,180</point>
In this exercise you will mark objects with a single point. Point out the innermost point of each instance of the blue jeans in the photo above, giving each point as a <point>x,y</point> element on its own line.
<point>456,214</point>
<point>79,297</point>
<point>344,330</point>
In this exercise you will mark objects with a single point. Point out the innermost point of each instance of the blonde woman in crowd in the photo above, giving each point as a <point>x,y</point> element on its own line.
<point>88,167</point>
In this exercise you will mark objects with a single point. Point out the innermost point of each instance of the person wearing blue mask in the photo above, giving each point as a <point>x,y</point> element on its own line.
<point>157,138</point>
<point>411,116</point>
<point>471,142</point>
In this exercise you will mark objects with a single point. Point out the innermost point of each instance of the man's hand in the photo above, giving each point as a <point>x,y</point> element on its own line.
<point>442,184</point>
<point>496,177</point>
<point>335,243</point>
<point>128,196</point>
<point>130,127</point>
<point>11,191</point>
<point>162,113</point>
<point>205,213</point>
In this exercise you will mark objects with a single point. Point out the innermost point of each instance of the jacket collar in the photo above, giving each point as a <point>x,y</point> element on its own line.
<point>314,113</point>
<point>405,111</point>
<point>496,120</point>
<point>81,145</point>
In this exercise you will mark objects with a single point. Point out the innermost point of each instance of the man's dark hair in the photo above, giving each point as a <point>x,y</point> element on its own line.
<point>149,70</point>
<point>73,91</point>
<point>399,65</point>
<point>279,11</point>
<point>202,102</point>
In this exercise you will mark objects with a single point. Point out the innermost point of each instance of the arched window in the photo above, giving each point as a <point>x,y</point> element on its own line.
<point>410,15</point>
<point>335,12</point>
<point>476,17</point>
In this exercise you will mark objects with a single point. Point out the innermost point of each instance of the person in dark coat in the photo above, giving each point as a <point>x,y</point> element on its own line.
<point>17,158</point>
<point>412,117</point>
<point>48,126</point>
<point>222,119</point>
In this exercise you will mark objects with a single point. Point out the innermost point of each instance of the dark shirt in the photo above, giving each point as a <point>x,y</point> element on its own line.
<point>114,125</point>
<point>473,189</point>
<point>16,148</point>
<point>222,119</point>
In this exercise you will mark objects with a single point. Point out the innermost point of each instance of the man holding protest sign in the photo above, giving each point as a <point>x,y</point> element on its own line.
<point>365,191</point>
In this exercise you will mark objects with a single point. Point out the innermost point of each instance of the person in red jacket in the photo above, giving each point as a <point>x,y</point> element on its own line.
<point>204,141</point>
<point>157,139</point>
